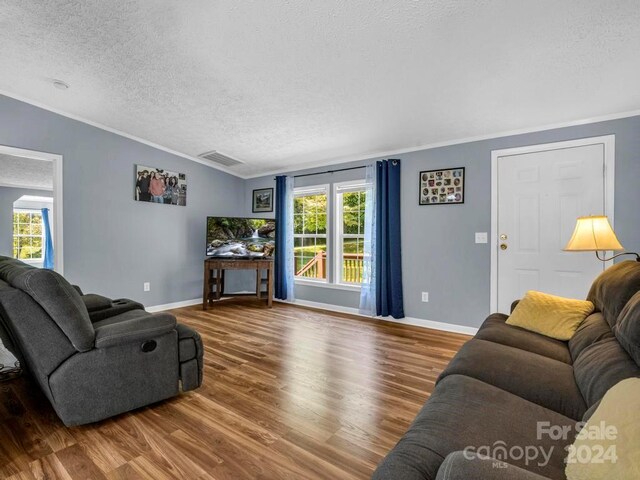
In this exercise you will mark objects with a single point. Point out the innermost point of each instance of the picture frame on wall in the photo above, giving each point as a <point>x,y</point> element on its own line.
<point>441,187</point>
<point>157,185</point>
<point>262,200</point>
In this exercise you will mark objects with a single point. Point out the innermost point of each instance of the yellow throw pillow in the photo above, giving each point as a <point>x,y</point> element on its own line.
<point>608,446</point>
<point>555,317</point>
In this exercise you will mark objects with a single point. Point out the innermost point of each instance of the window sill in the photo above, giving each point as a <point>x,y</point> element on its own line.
<point>31,261</point>
<point>333,286</point>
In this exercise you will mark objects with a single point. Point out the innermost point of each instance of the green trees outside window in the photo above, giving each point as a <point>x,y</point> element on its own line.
<point>352,236</point>
<point>310,233</point>
<point>27,235</point>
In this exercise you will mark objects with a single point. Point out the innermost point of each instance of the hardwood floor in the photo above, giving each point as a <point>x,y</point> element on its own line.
<point>288,393</point>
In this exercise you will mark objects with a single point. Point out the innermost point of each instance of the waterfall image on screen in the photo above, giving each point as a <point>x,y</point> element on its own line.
<point>240,237</point>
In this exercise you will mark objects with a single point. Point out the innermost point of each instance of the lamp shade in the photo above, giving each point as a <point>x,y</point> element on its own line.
<point>592,234</point>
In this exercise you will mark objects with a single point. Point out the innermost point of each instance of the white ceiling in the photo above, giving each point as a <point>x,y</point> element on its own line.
<point>25,172</point>
<point>279,84</point>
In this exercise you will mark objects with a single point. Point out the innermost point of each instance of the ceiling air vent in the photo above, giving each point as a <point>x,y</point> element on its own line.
<point>219,158</point>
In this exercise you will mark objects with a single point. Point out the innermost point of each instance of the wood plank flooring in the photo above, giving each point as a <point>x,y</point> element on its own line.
<point>288,393</point>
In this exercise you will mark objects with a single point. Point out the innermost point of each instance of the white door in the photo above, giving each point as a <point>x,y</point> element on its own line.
<point>540,195</point>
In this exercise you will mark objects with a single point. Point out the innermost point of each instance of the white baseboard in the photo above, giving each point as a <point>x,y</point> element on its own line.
<point>184,303</point>
<point>170,306</point>
<point>417,322</point>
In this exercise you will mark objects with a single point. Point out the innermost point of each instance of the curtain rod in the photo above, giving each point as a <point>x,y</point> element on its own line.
<point>328,171</point>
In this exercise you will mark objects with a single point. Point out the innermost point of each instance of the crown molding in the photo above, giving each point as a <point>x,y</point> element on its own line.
<point>77,118</point>
<point>25,187</point>
<point>458,141</point>
<point>334,161</point>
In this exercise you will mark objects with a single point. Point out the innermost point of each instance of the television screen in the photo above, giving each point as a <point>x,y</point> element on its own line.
<point>240,237</point>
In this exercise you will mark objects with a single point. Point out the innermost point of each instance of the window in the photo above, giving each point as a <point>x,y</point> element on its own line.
<point>350,207</point>
<point>310,232</point>
<point>28,239</point>
<point>340,261</point>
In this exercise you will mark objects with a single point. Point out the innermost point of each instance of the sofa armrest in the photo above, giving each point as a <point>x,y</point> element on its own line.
<point>135,330</point>
<point>514,304</point>
<point>95,302</point>
<point>466,465</point>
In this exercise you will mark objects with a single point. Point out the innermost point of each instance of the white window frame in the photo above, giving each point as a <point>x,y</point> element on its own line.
<point>324,189</point>
<point>339,189</point>
<point>42,235</point>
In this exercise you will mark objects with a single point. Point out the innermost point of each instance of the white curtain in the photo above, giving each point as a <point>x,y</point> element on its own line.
<point>289,254</point>
<point>368,291</point>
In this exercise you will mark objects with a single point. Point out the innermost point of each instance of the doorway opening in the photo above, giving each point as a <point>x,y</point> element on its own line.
<point>31,206</point>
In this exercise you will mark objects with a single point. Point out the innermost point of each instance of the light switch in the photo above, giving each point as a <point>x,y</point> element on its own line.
<point>481,237</point>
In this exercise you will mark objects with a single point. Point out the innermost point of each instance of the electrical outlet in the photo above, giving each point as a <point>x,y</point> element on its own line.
<point>425,296</point>
<point>147,286</point>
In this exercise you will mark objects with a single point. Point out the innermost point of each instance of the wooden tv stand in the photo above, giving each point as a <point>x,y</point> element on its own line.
<point>214,269</point>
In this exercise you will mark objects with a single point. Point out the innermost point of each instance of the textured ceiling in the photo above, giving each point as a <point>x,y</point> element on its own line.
<point>25,172</point>
<point>279,84</point>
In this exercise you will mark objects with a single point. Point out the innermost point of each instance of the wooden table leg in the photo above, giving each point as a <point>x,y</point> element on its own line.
<point>205,288</point>
<point>270,286</point>
<point>218,283</point>
<point>258,281</point>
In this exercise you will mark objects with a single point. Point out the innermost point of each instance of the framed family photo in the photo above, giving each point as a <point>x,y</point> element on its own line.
<point>441,187</point>
<point>263,200</point>
<point>157,185</point>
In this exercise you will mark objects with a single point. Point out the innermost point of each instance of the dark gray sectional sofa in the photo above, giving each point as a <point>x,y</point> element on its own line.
<point>93,357</point>
<point>507,385</point>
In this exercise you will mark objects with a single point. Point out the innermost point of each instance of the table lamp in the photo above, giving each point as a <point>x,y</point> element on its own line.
<point>594,234</point>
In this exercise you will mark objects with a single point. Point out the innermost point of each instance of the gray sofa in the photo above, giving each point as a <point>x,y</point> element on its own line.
<point>507,386</point>
<point>93,357</point>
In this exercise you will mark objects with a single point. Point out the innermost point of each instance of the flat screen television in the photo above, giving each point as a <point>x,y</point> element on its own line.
<point>239,237</point>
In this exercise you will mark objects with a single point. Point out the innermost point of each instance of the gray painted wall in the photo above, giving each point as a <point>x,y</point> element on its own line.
<point>8,195</point>
<point>113,244</point>
<point>438,250</point>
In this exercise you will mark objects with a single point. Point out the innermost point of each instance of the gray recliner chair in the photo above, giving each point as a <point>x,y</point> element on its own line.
<point>93,365</point>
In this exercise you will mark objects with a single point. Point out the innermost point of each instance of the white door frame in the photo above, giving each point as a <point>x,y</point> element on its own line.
<point>607,141</point>
<point>57,196</point>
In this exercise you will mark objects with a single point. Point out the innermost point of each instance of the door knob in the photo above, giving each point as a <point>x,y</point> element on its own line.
<point>503,246</point>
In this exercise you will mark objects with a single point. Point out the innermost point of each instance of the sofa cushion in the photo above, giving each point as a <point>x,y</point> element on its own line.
<point>539,379</point>
<point>600,366</point>
<point>61,301</point>
<point>627,329</point>
<point>592,330</point>
<point>494,329</point>
<point>550,315</point>
<point>464,412</point>
<point>614,287</point>
<point>470,466</point>
<point>618,409</point>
